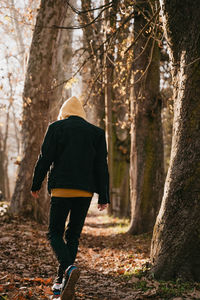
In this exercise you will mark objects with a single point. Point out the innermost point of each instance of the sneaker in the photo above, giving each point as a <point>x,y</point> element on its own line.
<point>57,288</point>
<point>70,279</point>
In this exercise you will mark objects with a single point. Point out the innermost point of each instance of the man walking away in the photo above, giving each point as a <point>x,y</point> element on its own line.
<point>74,153</point>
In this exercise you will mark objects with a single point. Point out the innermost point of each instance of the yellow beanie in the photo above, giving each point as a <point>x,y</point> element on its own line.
<point>71,107</point>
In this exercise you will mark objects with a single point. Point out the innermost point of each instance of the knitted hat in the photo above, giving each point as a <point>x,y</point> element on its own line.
<point>71,107</point>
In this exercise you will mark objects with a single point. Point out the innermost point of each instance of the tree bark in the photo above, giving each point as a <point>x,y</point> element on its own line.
<point>175,250</point>
<point>4,182</point>
<point>38,96</point>
<point>109,49</point>
<point>92,75</point>
<point>2,167</point>
<point>62,63</point>
<point>5,155</point>
<point>120,133</point>
<point>146,158</point>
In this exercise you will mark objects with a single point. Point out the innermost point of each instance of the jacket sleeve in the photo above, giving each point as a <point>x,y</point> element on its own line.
<point>45,159</point>
<point>101,170</point>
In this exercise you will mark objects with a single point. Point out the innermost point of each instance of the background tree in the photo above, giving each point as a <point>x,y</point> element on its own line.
<point>109,48</point>
<point>107,31</point>
<point>4,180</point>
<point>62,64</point>
<point>3,159</point>
<point>146,158</point>
<point>102,91</point>
<point>38,97</point>
<point>14,40</point>
<point>175,248</point>
<point>116,96</point>
<point>92,72</point>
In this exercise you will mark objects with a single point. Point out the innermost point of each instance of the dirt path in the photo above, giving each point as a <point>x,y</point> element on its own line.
<point>106,257</point>
<point>28,265</point>
<point>109,260</point>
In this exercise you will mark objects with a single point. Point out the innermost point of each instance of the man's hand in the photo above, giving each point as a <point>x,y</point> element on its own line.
<point>102,206</point>
<point>35,194</point>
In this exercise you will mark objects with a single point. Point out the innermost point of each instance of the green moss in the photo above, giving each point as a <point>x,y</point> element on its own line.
<point>141,285</point>
<point>162,289</point>
<point>171,289</point>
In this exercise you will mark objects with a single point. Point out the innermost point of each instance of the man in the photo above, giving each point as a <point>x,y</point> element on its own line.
<point>75,153</point>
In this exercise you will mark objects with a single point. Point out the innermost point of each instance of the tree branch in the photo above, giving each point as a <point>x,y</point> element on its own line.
<point>95,51</point>
<point>143,29</point>
<point>79,12</point>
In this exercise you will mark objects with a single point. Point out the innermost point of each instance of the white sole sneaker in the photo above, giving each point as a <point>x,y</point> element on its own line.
<point>68,292</point>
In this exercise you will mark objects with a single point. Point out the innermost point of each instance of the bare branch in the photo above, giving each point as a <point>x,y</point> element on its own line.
<point>93,86</point>
<point>84,25</point>
<point>96,51</point>
<point>143,29</point>
<point>81,26</point>
<point>79,12</point>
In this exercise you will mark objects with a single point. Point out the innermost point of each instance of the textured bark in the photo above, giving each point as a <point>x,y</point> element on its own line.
<point>109,49</point>
<point>175,248</point>
<point>92,76</point>
<point>2,168</point>
<point>62,63</point>
<point>98,86</point>
<point>4,181</point>
<point>120,181</point>
<point>38,97</point>
<point>146,159</point>
<point>120,132</point>
<point>5,158</point>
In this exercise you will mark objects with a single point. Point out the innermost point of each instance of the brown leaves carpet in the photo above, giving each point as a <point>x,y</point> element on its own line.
<point>110,261</point>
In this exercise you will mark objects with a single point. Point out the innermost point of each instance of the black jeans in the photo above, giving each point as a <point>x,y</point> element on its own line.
<point>64,242</point>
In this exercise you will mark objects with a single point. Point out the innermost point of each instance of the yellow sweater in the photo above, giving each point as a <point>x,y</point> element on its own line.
<point>70,193</point>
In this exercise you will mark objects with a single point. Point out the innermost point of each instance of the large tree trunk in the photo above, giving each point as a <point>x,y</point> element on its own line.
<point>38,97</point>
<point>146,159</point>
<point>175,248</point>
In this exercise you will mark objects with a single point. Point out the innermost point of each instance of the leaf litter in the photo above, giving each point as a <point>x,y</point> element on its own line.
<point>113,264</point>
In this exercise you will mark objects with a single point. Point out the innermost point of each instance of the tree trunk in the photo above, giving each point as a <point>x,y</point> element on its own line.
<point>92,89</point>
<point>120,180</point>
<point>175,248</point>
<point>2,168</point>
<point>4,152</point>
<point>120,133</point>
<point>146,158</point>
<point>109,49</point>
<point>37,97</point>
<point>62,63</point>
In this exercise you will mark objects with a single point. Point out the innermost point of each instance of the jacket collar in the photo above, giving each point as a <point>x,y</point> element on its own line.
<point>75,118</point>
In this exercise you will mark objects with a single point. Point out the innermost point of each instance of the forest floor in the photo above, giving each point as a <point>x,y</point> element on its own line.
<point>113,264</point>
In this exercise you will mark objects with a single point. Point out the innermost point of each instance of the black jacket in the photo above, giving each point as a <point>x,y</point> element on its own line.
<point>74,152</point>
